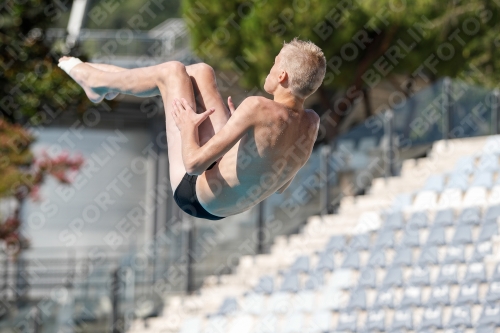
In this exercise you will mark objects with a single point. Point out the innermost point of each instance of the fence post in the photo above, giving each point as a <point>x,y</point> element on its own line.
<point>495,109</point>
<point>446,111</point>
<point>389,154</point>
<point>115,303</point>
<point>325,193</point>
<point>260,227</point>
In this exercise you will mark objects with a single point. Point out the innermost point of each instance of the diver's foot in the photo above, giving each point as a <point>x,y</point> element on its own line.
<point>75,68</point>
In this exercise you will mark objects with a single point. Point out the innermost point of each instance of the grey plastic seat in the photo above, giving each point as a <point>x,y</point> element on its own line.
<point>301,264</point>
<point>475,273</point>
<point>434,183</point>
<point>493,294</point>
<point>293,323</point>
<point>367,278</point>
<point>448,275</point>
<point>460,316</point>
<point>470,215</point>
<point>465,165</point>
<point>463,235</point>
<point>482,179</point>
<point>481,251</point>
<point>490,315</point>
<point>412,296</point>
<point>393,277</point>
<point>488,230</point>
<point>377,258</point>
<point>357,300</point>
<point>314,281</point>
<point>402,200</point>
<point>375,320</point>
<point>418,220</point>
<point>385,298</point>
<point>487,163</point>
<point>403,319</point>
<point>265,285</point>
<point>216,324</point>
<point>444,217</point>
<point>326,261</point>
<point>404,256</point>
<point>440,295</point>
<point>428,256</point>
<point>351,260</point>
<point>229,305</point>
<point>394,220</point>
<point>485,329</point>
<point>360,242</point>
<point>411,238</point>
<point>347,321</point>
<point>469,294</point>
<point>385,239</point>
<point>336,243</point>
<point>496,273</point>
<point>267,324</point>
<point>290,282</point>
<point>436,236</point>
<point>455,254</point>
<point>420,276</point>
<point>459,181</point>
<point>493,212</point>
<point>432,318</point>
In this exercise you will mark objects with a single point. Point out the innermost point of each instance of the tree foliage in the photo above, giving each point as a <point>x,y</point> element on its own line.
<point>359,39</point>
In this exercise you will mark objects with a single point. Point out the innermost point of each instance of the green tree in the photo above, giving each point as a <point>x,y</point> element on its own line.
<point>356,37</point>
<point>34,92</point>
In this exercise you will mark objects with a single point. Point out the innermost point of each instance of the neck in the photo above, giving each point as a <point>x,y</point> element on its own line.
<point>289,101</point>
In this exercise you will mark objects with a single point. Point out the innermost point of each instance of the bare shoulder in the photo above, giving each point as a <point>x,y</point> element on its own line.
<point>313,115</point>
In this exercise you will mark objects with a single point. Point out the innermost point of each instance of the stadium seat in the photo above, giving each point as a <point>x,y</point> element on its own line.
<point>490,315</point>
<point>367,278</point>
<point>228,306</point>
<point>340,279</point>
<point>412,296</point>
<point>330,299</point>
<point>377,258</point>
<point>403,256</point>
<point>411,237</point>
<point>290,282</point>
<point>394,220</point>
<point>403,319</point>
<point>454,254</point>
<point>475,273</point>
<point>351,260</point>
<point>216,324</point>
<point>469,294</point>
<point>385,298</point>
<point>314,281</point>
<point>253,303</point>
<point>293,323</point>
<point>488,163</point>
<point>393,277</point>
<point>357,300</point>
<point>488,230</point>
<point>448,275</point>
<point>359,242</point>
<point>428,256</point>
<point>336,243</point>
<point>470,215</point>
<point>265,285</point>
<point>301,264</point>
<point>326,261</point>
<point>279,302</point>
<point>321,321</point>
<point>432,318</point>
<point>440,295</point>
<point>266,324</point>
<point>481,251</point>
<point>492,212</point>
<point>434,183</point>
<point>463,235</point>
<point>347,321</point>
<point>375,321</point>
<point>420,276</point>
<point>418,220</point>
<point>493,294</point>
<point>243,323</point>
<point>482,179</point>
<point>444,217</point>
<point>385,239</point>
<point>459,181</point>
<point>437,236</point>
<point>460,316</point>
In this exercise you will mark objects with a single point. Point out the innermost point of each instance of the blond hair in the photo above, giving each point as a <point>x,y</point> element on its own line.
<point>305,65</point>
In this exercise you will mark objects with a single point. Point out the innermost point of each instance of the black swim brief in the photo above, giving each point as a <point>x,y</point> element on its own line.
<point>186,199</point>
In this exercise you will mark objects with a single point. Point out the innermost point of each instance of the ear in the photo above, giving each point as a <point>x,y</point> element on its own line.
<point>282,77</point>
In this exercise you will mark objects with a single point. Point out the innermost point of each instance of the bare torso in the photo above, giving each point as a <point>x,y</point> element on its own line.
<point>261,162</point>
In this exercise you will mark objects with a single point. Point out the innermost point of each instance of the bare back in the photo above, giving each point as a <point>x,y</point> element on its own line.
<point>261,162</point>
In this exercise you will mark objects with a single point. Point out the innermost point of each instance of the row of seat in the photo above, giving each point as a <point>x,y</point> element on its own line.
<point>382,320</point>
